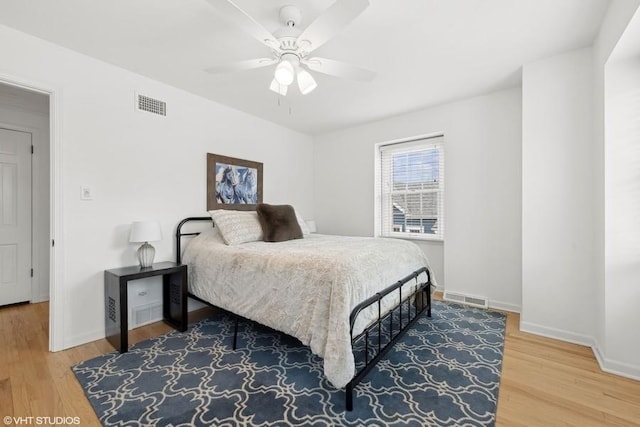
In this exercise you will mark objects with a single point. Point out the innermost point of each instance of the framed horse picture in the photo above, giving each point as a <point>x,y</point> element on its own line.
<point>233,183</point>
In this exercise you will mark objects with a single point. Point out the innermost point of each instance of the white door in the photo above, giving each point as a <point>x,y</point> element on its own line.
<point>15,216</point>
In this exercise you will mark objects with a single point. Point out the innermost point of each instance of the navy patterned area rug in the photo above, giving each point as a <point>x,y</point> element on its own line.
<point>444,372</point>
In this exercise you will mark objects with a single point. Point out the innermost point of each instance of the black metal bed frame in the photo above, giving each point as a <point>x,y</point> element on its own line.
<point>381,331</point>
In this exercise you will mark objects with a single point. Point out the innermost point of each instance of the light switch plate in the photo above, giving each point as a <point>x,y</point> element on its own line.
<point>86,193</point>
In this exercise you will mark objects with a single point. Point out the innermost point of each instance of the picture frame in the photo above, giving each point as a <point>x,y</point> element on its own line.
<point>233,183</point>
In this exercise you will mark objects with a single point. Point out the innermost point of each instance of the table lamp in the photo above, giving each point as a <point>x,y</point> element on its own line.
<point>145,231</point>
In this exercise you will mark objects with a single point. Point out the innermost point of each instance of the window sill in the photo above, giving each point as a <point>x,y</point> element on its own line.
<point>417,238</point>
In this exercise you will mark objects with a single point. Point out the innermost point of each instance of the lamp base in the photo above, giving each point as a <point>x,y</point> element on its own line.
<point>146,253</point>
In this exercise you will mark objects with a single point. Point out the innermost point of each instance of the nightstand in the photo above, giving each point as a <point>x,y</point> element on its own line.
<point>174,298</point>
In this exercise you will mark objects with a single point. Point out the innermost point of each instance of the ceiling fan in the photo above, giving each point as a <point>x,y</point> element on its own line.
<point>290,46</point>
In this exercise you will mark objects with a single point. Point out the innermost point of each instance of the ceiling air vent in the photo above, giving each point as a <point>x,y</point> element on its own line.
<point>151,105</point>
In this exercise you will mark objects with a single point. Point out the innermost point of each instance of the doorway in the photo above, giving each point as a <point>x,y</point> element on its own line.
<point>25,183</point>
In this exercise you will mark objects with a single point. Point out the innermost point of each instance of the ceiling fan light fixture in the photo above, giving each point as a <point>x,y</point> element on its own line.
<point>286,69</point>
<point>278,88</point>
<point>306,82</point>
<point>290,45</point>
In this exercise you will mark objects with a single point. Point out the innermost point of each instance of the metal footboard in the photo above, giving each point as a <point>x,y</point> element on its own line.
<point>382,331</point>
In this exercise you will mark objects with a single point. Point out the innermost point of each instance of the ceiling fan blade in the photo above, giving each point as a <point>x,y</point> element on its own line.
<point>278,88</point>
<point>249,64</point>
<point>339,69</point>
<point>334,19</point>
<point>239,17</point>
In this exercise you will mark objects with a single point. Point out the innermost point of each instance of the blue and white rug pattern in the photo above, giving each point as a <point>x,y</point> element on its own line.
<point>444,372</point>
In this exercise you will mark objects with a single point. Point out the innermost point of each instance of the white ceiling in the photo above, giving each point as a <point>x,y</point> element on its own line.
<point>425,52</point>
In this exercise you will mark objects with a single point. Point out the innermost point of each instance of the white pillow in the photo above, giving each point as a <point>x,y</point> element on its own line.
<point>237,227</point>
<point>215,235</point>
<point>303,225</point>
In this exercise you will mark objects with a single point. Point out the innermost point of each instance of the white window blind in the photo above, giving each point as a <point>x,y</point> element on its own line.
<point>412,189</point>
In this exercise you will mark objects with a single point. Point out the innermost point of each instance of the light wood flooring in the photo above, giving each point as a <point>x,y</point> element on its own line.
<point>544,382</point>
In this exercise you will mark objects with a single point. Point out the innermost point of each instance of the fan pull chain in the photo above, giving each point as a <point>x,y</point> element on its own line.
<point>280,104</point>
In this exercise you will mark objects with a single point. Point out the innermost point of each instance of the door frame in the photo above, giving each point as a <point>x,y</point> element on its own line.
<point>56,252</point>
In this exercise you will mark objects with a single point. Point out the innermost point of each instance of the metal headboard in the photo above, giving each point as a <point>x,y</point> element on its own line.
<point>180,234</point>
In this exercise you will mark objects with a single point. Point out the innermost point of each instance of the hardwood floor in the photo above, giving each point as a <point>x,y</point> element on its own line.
<point>544,382</point>
<point>547,382</point>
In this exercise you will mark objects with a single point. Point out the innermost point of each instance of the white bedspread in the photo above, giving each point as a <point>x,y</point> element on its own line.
<point>305,288</point>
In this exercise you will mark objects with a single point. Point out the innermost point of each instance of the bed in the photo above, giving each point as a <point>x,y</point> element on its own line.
<point>333,293</point>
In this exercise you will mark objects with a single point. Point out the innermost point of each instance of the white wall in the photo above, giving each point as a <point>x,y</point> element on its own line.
<point>481,252</point>
<point>558,293</point>
<point>620,342</point>
<point>613,26</point>
<point>140,166</point>
<point>622,212</point>
<point>29,113</point>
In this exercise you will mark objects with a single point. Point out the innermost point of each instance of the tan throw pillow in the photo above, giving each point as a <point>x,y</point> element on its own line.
<point>237,227</point>
<point>279,222</point>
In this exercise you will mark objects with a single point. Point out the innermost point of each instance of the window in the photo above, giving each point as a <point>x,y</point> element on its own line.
<point>410,191</point>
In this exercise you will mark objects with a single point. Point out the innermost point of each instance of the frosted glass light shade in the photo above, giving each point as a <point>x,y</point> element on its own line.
<point>145,231</point>
<point>278,88</point>
<point>284,73</point>
<point>306,82</point>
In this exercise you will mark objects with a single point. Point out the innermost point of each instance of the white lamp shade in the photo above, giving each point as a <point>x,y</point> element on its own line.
<point>278,88</point>
<point>306,82</point>
<point>284,73</point>
<point>145,231</point>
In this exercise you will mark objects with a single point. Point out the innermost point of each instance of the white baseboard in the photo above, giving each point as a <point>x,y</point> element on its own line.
<point>77,340</point>
<point>83,339</point>
<point>40,298</point>
<point>611,366</point>
<point>557,334</point>
<point>505,306</point>
<point>614,367</point>
<point>493,304</point>
<point>194,305</point>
